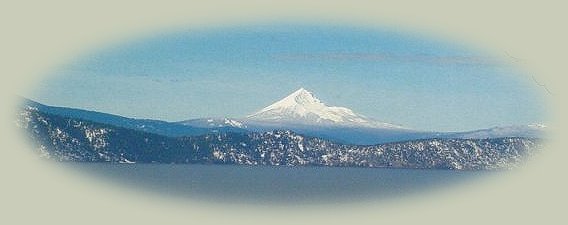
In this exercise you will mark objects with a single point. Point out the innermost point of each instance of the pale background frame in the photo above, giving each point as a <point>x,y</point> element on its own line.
<point>40,36</point>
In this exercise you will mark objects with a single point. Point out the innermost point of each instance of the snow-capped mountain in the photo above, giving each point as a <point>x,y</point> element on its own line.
<point>302,107</point>
<point>302,112</point>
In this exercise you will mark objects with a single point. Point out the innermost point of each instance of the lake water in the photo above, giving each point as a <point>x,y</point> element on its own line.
<point>229,183</point>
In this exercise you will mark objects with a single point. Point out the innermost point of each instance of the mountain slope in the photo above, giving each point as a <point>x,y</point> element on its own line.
<point>152,126</point>
<point>71,139</point>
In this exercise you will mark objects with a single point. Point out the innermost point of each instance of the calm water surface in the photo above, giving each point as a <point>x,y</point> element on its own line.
<point>276,184</point>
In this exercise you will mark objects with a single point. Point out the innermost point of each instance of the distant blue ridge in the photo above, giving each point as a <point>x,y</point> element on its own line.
<point>152,126</point>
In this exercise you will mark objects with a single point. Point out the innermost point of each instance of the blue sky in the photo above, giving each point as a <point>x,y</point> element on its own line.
<point>399,78</point>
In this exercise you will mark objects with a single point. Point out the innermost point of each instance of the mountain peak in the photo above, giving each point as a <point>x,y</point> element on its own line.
<point>300,96</point>
<point>302,91</point>
<point>302,107</point>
